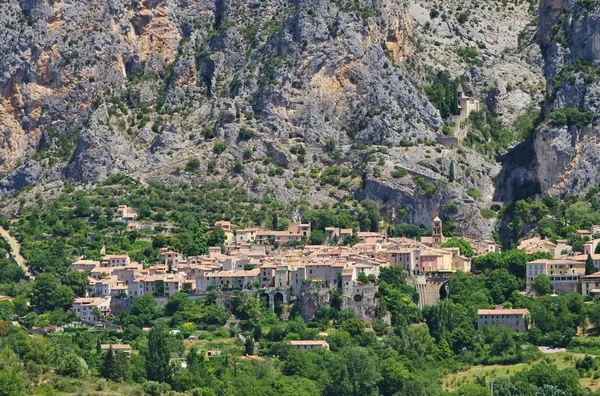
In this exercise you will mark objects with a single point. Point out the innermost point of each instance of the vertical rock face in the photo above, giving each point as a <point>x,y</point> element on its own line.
<point>566,155</point>
<point>307,68</point>
<point>58,57</point>
<point>550,11</point>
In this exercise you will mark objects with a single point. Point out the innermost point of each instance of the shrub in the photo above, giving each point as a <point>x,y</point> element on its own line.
<point>219,147</point>
<point>330,144</point>
<point>207,132</point>
<point>192,165</point>
<point>470,56</point>
<point>245,133</point>
<point>433,13</point>
<point>238,167</point>
<point>427,188</point>
<point>451,207</point>
<point>571,116</point>
<point>400,172</point>
<point>488,213</point>
<point>247,154</point>
<point>475,194</point>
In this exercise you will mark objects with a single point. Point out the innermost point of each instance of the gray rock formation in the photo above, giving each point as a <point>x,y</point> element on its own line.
<point>144,87</point>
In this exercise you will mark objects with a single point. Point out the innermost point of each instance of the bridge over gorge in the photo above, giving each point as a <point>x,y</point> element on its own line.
<point>496,205</point>
<point>432,288</point>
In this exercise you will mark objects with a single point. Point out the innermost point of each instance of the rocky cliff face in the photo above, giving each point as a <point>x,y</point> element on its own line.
<point>568,155</point>
<point>142,87</point>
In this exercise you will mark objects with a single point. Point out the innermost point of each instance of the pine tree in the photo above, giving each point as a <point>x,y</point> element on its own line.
<point>98,346</point>
<point>590,268</point>
<point>158,355</point>
<point>451,172</point>
<point>121,370</point>
<point>108,364</point>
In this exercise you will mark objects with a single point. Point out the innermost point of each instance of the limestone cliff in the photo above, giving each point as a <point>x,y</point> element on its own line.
<point>568,153</point>
<point>92,88</point>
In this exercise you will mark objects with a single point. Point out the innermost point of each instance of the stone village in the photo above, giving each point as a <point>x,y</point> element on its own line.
<point>307,276</point>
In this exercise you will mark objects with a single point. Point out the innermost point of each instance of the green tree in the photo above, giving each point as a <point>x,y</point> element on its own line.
<point>216,237</point>
<point>48,294</point>
<point>115,366</point>
<point>317,237</point>
<point>501,284</point>
<point>72,365</point>
<point>353,326</point>
<point>158,354</point>
<point>541,284</point>
<point>590,268</point>
<point>12,375</point>
<point>369,216</point>
<point>464,246</point>
<point>451,172</point>
<point>78,281</point>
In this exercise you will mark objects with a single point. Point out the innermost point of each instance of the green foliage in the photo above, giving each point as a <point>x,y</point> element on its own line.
<point>475,194</point>
<point>427,188</point>
<point>512,260</point>
<point>541,284</point>
<point>442,94</point>
<point>496,137</point>
<point>158,356</point>
<point>192,165</point>
<point>245,133</point>
<point>399,172</point>
<point>571,116</point>
<point>48,294</point>
<point>219,147</point>
<point>469,55</point>
<point>465,247</point>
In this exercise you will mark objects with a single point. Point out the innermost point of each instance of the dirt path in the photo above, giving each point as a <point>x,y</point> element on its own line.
<point>15,252</point>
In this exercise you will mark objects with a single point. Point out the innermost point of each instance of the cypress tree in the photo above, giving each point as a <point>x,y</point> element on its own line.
<point>451,172</point>
<point>590,268</point>
<point>108,364</point>
<point>158,355</point>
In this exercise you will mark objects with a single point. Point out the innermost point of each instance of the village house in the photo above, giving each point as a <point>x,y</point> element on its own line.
<point>170,257</point>
<point>228,279</point>
<point>126,349</point>
<point>245,235</point>
<point>589,284</point>
<point>590,246</point>
<point>564,274</point>
<point>116,260</point>
<point>280,237</point>
<point>595,259</point>
<point>91,309</point>
<point>517,320</point>
<point>226,226</point>
<point>301,229</point>
<point>309,345</point>
<point>125,213</point>
<point>84,265</point>
<point>536,244</point>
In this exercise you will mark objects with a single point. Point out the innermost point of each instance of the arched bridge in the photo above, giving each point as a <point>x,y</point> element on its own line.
<point>432,288</point>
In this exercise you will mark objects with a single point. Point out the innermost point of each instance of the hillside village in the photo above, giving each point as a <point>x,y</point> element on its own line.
<point>282,265</point>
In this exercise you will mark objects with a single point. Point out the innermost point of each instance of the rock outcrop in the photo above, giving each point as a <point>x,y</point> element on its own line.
<point>143,87</point>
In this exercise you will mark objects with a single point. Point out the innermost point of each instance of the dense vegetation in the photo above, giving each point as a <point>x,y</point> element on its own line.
<point>404,351</point>
<point>80,223</point>
<point>552,218</point>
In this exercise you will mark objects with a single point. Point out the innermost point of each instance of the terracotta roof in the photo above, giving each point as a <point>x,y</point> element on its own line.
<point>502,311</point>
<point>309,342</point>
